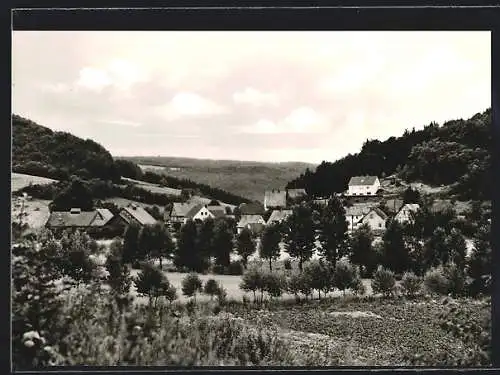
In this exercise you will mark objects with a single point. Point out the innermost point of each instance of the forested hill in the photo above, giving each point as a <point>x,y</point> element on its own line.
<point>456,153</point>
<point>39,151</point>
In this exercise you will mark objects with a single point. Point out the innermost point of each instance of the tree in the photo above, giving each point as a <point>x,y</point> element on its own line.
<point>204,243</point>
<point>383,282</point>
<point>151,282</point>
<point>300,234</point>
<point>191,285</point>
<point>455,242</point>
<point>211,288</point>
<point>252,281</point>
<point>344,276</point>
<point>333,231</point>
<point>74,195</point>
<point>411,284</point>
<point>319,275</point>
<point>245,245</point>
<point>362,252</point>
<point>274,284</point>
<point>155,241</point>
<point>294,284</point>
<point>436,251</point>
<point>479,266</point>
<point>187,254</point>
<point>223,242</point>
<point>131,243</point>
<point>270,244</point>
<point>411,196</point>
<point>395,254</point>
<point>75,260</point>
<point>118,273</point>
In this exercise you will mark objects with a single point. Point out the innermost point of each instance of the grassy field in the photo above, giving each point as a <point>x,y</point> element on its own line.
<point>155,188</point>
<point>247,179</point>
<point>19,180</point>
<point>36,211</point>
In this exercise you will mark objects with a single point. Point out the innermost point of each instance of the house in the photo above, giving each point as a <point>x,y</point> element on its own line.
<point>354,214</point>
<point>293,194</point>
<point>254,208</point>
<point>376,220</point>
<point>278,216</point>
<point>203,212</point>
<point>78,219</point>
<point>255,223</point>
<point>363,185</point>
<point>405,215</point>
<point>274,199</point>
<point>133,213</point>
<point>394,205</point>
<point>178,214</point>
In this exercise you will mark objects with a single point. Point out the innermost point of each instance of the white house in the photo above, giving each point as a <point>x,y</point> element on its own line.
<point>376,220</point>
<point>275,199</point>
<point>182,212</point>
<point>405,214</point>
<point>363,185</point>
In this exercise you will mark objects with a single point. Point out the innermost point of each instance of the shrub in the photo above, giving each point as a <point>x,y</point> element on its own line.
<point>456,279</point>
<point>221,295</point>
<point>436,282</point>
<point>252,281</point>
<point>151,282</point>
<point>411,284</point>
<point>211,288</point>
<point>191,285</point>
<point>344,276</point>
<point>219,269</point>
<point>287,263</point>
<point>358,288</point>
<point>383,282</point>
<point>274,284</point>
<point>236,268</point>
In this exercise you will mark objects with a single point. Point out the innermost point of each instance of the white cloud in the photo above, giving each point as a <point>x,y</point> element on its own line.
<point>302,120</point>
<point>255,97</point>
<point>93,79</point>
<point>189,104</point>
<point>121,122</point>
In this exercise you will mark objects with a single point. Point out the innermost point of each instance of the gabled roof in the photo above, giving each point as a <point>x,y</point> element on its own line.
<point>275,198</point>
<point>411,207</point>
<point>279,215</point>
<point>68,219</point>
<point>103,217</point>
<point>357,210</point>
<point>379,212</point>
<point>394,205</point>
<point>250,219</point>
<point>180,209</point>
<point>362,180</point>
<point>296,193</point>
<point>252,208</point>
<point>194,210</point>
<point>217,211</point>
<point>139,214</point>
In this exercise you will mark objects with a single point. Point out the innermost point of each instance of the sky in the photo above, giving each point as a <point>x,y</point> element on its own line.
<point>247,95</point>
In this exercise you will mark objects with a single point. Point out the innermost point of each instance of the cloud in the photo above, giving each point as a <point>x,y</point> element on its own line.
<point>255,97</point>
<point>302,120</point>
<point>189,104</point>
<point>121,122</point>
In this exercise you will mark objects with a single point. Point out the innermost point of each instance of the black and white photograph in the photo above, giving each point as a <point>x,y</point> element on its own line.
<point>251,198</point>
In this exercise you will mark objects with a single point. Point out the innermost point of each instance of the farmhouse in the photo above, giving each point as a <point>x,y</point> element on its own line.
<point>275,199</point>
<point>203,212</point>
<point>78,219</point>
<point>178,214</point>
<point>133,213</point>
<point>255,223</point>
<point>376,220</point>
<point>278,216</point>
<point>405,215</point>
<point>363,186</point>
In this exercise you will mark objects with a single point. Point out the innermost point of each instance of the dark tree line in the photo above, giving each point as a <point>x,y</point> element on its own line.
<point>457,152</point>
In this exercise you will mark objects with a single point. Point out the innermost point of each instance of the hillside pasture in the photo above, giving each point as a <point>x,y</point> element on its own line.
<point>20,180</point>
<point>154,188</point>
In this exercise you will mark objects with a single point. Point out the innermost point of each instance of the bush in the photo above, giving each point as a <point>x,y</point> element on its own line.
<point>236,268</point>
<point>252,281</point>
<point>411,285</point>
<point>191,285</point>
<point>436,282</point>
<point>456,279</point>
<point>344,276</point>
<point>383,282</point>
<point>219,269</point>
<point>358,288</point>
<point>274,284</point>
<point>211,288</point>
<point>287,263</point>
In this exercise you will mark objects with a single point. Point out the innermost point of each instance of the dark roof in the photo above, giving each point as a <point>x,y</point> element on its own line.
<point>139,214</point>
<point>362,180</point>
<point>181,209</point>
<point>394,205</point>
<point>357,210</point>
<point>103,217</point>
<point>217,211</point>
<point>275,198</point>
<point>252,208</point>
<point>67,219</point>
